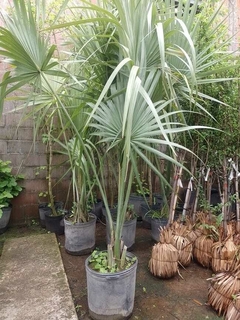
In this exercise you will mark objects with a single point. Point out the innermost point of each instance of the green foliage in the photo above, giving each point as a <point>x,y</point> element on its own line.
<point>159,214</point>
<point>99,262</point>
<point>9,185</point>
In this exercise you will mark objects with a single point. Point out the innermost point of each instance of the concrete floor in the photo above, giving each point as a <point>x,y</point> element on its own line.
<point>33,284</point>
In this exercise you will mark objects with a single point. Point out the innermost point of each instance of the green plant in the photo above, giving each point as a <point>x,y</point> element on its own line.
<point>133,74</point>
<point>141,188</point>
<point>99,261</point>
<point>9,185</point>
<point>159,214</point>
<point>143,88</point>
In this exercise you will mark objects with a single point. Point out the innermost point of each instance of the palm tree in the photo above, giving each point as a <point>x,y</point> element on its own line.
<point>150,71</point>
<point>138,75</point>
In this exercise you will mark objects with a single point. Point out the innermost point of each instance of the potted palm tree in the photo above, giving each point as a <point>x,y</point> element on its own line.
<point>80,223</point>
<point>138,65</point>
<point>36,77</point>
<point>154,68</point>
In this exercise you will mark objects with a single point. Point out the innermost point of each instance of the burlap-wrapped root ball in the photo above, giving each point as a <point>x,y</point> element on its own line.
<point>202,251</point>
<point>223,254</point>
<point>223,287</point>
<point>182,243</point>
<point>164,258</point>
<point>233,310</point>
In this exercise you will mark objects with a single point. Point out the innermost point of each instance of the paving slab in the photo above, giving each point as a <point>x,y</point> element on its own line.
<point>33,283</point>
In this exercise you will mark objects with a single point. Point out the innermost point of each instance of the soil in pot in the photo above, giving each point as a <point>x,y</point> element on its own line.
<point>80,237</point>
<point>111,295</point>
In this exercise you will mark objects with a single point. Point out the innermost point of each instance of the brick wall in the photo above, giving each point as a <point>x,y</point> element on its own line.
<point>16,145</point>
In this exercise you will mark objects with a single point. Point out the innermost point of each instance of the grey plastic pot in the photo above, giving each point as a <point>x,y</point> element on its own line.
<point>111,295</point>
<point>128,232</point>
<point>80,237</point>
<point>5,219</point>
<point>156,224</point>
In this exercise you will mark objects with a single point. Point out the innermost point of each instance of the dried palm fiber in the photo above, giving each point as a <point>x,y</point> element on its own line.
<point>224,286</point>
<point>193,232</point>
<point>233,310</point>
<point>236,239</point>
<point>202,251</point>
<point>223,251</point>
<point>181,243</point>
<point>164,258</point>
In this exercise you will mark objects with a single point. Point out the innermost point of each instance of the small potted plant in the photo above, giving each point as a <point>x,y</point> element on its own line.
<point>80,224</point>
<point>51,212</point>
<point>9,189</point>
<point>159,218</point>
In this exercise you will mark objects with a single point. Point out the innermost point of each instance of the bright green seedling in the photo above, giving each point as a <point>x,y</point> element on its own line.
<point>99,262</point>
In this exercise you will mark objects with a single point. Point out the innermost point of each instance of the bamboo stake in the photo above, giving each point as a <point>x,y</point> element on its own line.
<point>197,195</point>
<point>187,198</point>
<point>225,195</point>
<point>237,195</point>
<point>174,196</point>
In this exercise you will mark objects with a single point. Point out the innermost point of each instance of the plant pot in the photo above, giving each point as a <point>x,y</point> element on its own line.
<point>44,208</point>
<point>156,224</point>
<point>111,295</point>
<point>137,201</point>
<point>128,232</point>
<point>5,219</point>
<point>55,224</point>
<point>146,214</point>
<point>97,209</point>
<point>80,237</point>
<point>113,212</point>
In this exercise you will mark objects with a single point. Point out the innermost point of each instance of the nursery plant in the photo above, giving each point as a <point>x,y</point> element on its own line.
<point>154,70</point>
<point>140,72</point>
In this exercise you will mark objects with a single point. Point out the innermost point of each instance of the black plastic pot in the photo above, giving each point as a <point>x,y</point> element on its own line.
<point>97,209</point>
<point>146,214</point>
<point>156,225</point>
<point>43,208</point>
<point>137,201</point>
<point>113,212</point>
<point>111,295</point>
<point>55,224</point>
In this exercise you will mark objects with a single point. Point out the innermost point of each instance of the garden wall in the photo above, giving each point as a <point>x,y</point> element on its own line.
<point>16,145</point>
